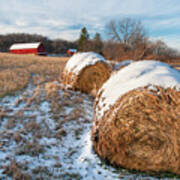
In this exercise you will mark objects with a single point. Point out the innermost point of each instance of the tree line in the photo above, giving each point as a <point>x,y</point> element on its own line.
<point>57,46</point>
<point>127,38</point>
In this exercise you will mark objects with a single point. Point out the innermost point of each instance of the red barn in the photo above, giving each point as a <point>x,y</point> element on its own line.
<point>28,48</point>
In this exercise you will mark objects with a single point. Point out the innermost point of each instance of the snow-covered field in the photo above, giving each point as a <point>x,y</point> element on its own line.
<point>47,136</point>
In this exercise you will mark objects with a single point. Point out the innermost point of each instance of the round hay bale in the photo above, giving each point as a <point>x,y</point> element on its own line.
<point>137,118</point>
<point>86,72</point>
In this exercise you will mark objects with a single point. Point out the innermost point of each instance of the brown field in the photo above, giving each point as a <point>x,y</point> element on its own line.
<point>44,128</point>
<point>17,70</point>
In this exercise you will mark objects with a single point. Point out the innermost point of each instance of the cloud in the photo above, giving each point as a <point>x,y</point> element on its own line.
<point>64,19</point>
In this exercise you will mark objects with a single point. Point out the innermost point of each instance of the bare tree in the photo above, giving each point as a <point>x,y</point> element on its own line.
<point>128,40</point>
<point>126,31</point>
<point>163,51</point>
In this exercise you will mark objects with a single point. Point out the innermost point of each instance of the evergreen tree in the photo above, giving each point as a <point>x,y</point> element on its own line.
<point>97,37</point>
<point>97,43</point>
<point>84,37</point>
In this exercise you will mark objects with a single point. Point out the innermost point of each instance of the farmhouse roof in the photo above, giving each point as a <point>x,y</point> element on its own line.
<point>25,46</point>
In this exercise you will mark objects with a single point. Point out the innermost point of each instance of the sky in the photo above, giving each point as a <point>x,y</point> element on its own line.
<point>64,18</point>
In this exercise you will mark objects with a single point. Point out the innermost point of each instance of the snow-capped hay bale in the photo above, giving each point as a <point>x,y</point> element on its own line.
<point>86,72</point>
<point>137,118</point>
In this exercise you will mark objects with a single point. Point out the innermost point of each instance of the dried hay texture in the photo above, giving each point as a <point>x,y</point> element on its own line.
<point>141,131</point>
<point>89,79</point>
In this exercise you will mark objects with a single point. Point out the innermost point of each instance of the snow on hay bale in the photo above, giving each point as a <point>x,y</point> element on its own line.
<point>119,65</point>
<point>86,72</point>
<point>137,118</point>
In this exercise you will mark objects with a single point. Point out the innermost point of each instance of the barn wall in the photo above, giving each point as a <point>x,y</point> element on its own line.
<point>39,50</point>
<point>24,51</point>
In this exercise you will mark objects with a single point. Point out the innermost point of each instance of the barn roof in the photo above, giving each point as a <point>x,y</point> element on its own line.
<point>25,46</point>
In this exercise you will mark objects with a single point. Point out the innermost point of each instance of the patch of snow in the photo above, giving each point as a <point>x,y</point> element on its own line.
<point>3,155</point>
<point>87,152</point>
<point>90,164</point>
<point>68,110</point>
<point>80,60</point>
<point>136,75</point>
<point>45,106</point>
<point>44,114</point>
<point>117,65</point>
<point>49,141</point>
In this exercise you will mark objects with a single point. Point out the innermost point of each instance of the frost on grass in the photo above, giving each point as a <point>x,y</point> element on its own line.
<point>45,134</point>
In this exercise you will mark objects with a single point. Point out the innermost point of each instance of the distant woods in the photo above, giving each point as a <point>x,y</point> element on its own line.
<point>127,38</point>
<point>56,46</point>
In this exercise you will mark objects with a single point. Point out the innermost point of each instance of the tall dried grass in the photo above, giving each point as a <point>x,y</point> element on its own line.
<point>141,131</point>
<point>12,80</point>
<point>51,89</point>
<point>16,71</point>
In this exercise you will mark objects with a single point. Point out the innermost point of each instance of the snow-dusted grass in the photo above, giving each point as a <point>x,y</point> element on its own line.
<point>48,137</point>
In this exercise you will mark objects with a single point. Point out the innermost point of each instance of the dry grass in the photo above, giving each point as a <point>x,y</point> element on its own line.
<point>176,66</point>
<point>12,80</point>
<point>16,71</point>
<point>32,131</point>
<point>141,131</point>
<point>15,171</point>
<point>175,63</point>
<point>51,89</point>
